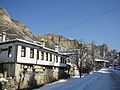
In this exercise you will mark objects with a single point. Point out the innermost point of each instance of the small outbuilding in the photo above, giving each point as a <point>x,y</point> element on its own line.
<point>101,63</point>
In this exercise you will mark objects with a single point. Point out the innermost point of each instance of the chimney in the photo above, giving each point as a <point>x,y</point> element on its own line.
<point>43,42</point>
<point>57,48</point>
<point>3,36</point>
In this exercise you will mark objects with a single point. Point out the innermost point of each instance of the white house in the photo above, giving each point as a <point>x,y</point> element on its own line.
<point>18,56</point>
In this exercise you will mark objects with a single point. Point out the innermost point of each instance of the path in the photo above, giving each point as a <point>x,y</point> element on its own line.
<point>104,79</point>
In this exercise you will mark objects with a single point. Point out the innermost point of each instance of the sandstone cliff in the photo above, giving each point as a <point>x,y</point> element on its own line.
<point>13,28</point>
<point>56,40</point>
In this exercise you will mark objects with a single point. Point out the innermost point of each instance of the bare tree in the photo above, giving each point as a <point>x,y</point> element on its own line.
<point>83,58</point>
<point>93,55</point>
<point>117,59</point>
<point>79,57</point>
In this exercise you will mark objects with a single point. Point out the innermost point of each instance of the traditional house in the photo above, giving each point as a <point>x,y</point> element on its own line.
<point>101,63</point>
<point>30,63</point>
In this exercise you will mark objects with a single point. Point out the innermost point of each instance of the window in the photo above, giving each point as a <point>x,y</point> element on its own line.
<point>23,51</point>
<point>46,56</point>
<point>56,59</point>
<point>42,55</point>
<point>10,51</point>
<point>50,57</point>
<point>37,54</point>
<point>31,53</point>
<point>65,61</point>
<point>61,60</point>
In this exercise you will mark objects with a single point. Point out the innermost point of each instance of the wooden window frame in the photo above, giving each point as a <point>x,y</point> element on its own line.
<point>31,53</point>
<point>10,51</point>
<point>56,59</point>
<point>23,50</point>
<point>42,55</point>
<point>46,56</point>
<point>50,57</point>
<point>38,55</point>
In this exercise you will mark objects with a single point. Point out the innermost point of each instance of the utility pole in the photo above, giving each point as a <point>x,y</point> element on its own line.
<point>93,54</point>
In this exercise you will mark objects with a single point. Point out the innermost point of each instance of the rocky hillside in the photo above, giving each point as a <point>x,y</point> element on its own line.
<point>13,28</point>
<point>103,51</point>
<point>56,40</point>
<point>16,29</point>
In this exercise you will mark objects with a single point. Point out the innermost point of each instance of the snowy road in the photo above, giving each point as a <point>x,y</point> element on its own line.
<point>104,79</point>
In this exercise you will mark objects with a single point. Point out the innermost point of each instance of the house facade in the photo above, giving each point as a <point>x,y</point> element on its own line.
<point>30,64</point>
<point>101,63</point>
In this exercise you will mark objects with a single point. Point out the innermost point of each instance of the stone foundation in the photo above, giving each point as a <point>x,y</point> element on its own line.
<point>31,76</point>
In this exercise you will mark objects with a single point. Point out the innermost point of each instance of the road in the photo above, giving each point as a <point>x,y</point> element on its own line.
<point>105,79</point>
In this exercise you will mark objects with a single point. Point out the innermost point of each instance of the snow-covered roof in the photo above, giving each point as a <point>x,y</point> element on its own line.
<point>102,60</point>
<point>21,40</point>
<point>35,43</point>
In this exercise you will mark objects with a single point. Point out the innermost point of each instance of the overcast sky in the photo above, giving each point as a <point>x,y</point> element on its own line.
<point>90,20</point>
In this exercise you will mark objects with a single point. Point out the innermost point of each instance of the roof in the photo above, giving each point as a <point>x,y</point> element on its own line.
<point>34,43</point>
<point>19,40</point>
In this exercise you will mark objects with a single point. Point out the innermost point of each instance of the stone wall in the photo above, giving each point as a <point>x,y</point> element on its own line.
<point>7,69</point>
<point>31,76</point>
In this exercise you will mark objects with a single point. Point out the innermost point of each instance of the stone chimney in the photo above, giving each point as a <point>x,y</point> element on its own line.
<point>3,36</point>
<point>57,48</point>
<point>43,42</point>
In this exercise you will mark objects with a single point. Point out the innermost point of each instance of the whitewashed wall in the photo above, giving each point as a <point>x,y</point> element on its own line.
<point>34,60</point>
<point>27,58</point>
<point>44,62</point>
<point>59,64</point>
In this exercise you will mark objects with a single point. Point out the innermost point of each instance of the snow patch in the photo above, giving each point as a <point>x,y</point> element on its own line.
<point>104,70</point>
<point>60,81</point>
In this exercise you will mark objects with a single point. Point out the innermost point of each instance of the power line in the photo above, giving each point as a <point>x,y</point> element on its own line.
<point>88,20</point>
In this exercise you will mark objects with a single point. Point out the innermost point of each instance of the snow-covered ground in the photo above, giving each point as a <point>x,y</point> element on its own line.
<point>105,79</point>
